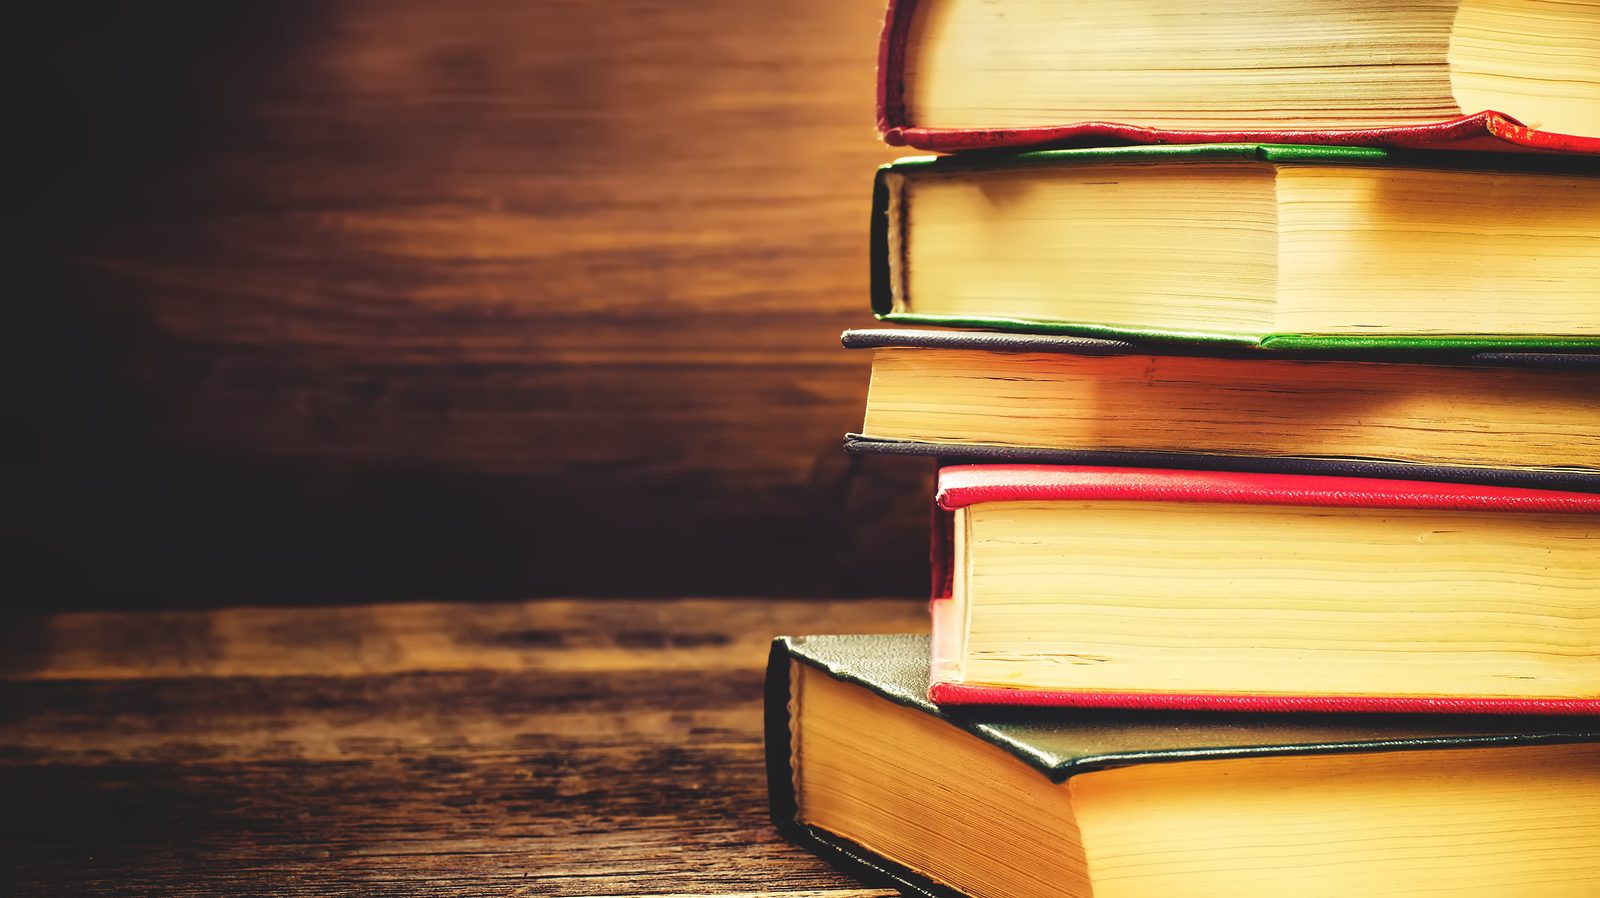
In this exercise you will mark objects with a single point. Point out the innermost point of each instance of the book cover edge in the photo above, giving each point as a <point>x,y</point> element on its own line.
<point>988,453</point>
<point>1267,342</point>
<point>1066,328</point>
<point>1070,344</point>
<point>1244,150</point>
<point>949,693</point>
<point>1482,132</point>
<point>962,485</point>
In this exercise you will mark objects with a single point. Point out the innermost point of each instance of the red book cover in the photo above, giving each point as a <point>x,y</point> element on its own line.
<point>1486,130</point>
<point>961,486</point>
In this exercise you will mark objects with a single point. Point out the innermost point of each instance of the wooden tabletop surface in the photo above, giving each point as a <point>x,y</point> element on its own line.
<point>559,747</point>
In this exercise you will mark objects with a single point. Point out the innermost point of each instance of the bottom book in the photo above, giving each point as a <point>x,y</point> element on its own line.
<point>867,773</point>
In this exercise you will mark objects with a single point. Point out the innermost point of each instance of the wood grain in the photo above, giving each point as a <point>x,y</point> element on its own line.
<point>393,298</point>
<point>559,748</point>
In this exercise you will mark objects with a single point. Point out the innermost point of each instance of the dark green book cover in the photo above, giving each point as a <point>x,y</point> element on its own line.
<point>1059,744</point>
<point>883,243</point>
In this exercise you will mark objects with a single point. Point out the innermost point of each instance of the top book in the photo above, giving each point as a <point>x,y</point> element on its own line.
<point>1435,74</point>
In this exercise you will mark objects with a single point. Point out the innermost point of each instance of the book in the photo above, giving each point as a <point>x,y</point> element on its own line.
<point>1150,588</point>
<point>1475,74</point>
<point>1499,418</point>
<point>863,770</point>
<point>1272,247</point>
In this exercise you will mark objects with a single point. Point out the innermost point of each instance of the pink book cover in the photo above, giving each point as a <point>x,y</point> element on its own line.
<point>1486,130</point>
<point>964,485</point>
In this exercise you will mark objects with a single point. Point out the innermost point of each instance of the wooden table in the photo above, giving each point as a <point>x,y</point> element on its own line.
<point>564,748</point>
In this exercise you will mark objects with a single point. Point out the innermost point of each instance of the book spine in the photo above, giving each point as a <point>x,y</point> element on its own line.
<point>944,644</point>
<point>944,624</point>
<point>880,284</point>
<point>776,738</point>
<point>891,71</point>
<point>941,548</point>
<point>846,856</point>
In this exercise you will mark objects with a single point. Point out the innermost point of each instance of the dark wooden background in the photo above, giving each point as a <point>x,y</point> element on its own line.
<point>383,299</point>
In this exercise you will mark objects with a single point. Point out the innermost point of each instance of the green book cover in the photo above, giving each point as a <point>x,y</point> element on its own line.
<point>888,239</point>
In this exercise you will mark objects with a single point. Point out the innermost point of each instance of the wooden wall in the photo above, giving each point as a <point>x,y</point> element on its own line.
<point>398,298</point>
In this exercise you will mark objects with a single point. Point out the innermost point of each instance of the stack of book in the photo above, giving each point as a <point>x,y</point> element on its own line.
<point>1260,348</point>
